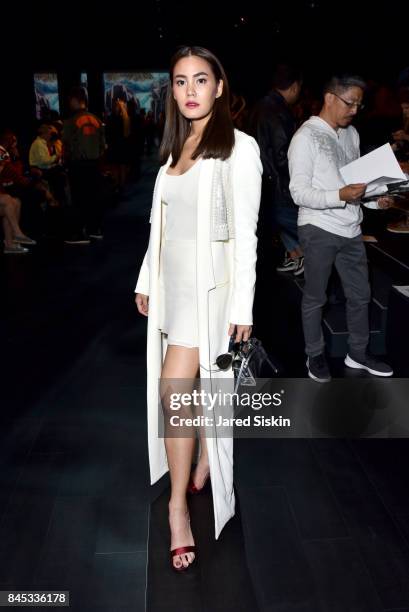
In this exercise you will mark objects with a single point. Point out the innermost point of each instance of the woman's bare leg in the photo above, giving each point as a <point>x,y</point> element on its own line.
<point>180,363</point>
<point>17,208</point>
<point>8,209</point>
<point>8,233</point>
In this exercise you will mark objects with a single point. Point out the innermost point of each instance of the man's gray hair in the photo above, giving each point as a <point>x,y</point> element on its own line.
<point>341,83</point>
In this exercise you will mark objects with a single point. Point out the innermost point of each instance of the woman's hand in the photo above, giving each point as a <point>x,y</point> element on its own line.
<point>243,332</point>
<point>142,303</point>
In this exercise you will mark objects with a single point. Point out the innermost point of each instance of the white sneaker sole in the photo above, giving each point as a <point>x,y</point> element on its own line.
<point>359,366</point>
<point>26,252</point>
<point>74,242</point>
<point>320,380</point>
<point>289,269</point>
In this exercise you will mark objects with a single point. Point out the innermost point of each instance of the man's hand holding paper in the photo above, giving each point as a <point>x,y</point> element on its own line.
<point>352,193</point>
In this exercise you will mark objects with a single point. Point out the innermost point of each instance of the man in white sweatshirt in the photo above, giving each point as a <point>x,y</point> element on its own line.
<point>329,224</point>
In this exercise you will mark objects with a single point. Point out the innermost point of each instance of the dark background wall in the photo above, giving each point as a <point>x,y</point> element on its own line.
<point>322,35</point>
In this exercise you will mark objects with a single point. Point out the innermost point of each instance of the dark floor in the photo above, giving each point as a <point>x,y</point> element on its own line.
<point>321,525</point>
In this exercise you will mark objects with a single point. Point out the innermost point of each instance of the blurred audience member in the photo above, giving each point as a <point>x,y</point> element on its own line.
<point>401,136</point>
<point>273,125</point>
<point>118,133</point>
<point>46,157</point>
<point>84,145</point>
<point>40,155</point>
<point>401,147</point>
<point>10,208</point>
<point>26,186</point>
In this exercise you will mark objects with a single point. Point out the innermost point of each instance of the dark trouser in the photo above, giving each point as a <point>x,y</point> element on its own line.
<point>321,250</point>
<point>286,219</point>
<point>86,196</point>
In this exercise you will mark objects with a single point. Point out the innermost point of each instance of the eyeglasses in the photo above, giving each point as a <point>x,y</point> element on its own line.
<point>359,105</point>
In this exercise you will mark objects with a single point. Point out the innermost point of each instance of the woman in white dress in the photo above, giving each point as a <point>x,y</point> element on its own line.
<point>196,285</point>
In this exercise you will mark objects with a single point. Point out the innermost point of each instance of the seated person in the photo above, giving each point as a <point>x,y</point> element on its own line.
<point>15,181</point>
<point>28,187</point>
<point>45,155</point>
<point>40,155</point>
<point>14,237</point>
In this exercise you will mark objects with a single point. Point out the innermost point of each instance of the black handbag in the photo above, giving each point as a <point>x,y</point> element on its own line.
<point>249,361</point>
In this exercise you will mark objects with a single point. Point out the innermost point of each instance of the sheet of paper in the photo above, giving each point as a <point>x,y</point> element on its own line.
<point>404,289</point>
<point>376,169</point>
<point>376,188</point>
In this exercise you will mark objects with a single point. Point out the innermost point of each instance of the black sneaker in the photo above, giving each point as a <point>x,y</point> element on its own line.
<point>368,362</point>
<point>288,264</point>
<point>299,269</point>
<point>318,368</point>
<point>78,239</point>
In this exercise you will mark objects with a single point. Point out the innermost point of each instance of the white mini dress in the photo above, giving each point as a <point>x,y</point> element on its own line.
<point>177,275</point>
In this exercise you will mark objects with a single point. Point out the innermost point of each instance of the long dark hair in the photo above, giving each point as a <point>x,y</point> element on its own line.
<point>218,136</point>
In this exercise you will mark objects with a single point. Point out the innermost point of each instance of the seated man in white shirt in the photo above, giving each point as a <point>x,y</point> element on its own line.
<point>329,224</point>
<point>45,157</point>
<point>40,156</point>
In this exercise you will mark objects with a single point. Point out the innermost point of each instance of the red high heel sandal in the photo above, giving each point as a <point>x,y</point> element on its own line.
<point>181,551</point>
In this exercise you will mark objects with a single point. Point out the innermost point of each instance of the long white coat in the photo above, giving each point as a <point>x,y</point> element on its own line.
<point>226,275</point>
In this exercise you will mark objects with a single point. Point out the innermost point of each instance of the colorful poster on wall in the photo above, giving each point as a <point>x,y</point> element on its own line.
<point>46,94</point>
<point>145,90</point>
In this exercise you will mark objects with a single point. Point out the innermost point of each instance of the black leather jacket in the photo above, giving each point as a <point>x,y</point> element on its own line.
<point>273,125</point>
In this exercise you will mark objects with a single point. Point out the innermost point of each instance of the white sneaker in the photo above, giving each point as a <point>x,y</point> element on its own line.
<point>24,240</point>
<point>15,249</point>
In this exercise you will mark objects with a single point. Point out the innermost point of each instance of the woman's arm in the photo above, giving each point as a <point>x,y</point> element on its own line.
<point>246,186</point>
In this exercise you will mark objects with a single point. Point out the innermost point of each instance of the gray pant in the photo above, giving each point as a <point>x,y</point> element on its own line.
<point>321,250</point>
